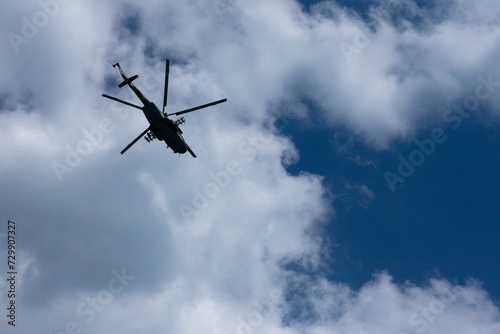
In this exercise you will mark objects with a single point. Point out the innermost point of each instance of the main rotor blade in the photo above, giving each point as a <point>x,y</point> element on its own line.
<point>135,140</point>
<point>197,108</point>
<point>190,151</point>
<point>165,93</point>
<point>121,101</point>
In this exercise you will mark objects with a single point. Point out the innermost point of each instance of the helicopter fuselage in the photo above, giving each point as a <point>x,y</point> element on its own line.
<point>164,128</point>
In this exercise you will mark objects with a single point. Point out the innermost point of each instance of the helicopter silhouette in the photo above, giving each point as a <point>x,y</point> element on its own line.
<point>161,127</point>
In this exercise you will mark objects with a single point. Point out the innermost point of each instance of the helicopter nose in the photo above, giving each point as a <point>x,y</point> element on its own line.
<point>182,149</point>
<point>179,148</point>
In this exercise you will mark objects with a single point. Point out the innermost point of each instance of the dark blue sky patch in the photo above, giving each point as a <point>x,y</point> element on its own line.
<point>129,23</point>
<point>151,50</point>
<point>359,6</point>
<point>418,14</point>
<point>300,308</point>
<point>25,100</point>
<point>111,83</point>
<point>444,217</point>
<point>132,22</point>
<point>3,101</point>
<point>28,100</point>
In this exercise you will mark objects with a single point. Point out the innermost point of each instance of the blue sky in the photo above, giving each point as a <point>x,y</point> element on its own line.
<point>441,221</point>
<point>293,218</point>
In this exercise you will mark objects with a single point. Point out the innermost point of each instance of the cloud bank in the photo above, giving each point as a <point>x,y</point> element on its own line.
<point>153,242</point>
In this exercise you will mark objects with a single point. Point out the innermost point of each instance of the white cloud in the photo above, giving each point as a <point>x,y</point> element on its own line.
<point>381,306</point>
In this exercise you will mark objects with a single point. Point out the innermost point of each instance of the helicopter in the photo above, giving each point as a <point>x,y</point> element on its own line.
<point>161,127</point>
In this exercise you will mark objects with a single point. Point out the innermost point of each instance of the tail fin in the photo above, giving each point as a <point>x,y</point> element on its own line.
<point>128,80</point>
